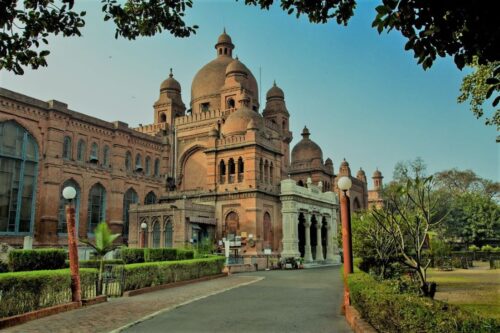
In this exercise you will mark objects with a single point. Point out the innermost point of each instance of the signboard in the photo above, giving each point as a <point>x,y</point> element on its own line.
<point>267,252</point>
<point>203,220</point>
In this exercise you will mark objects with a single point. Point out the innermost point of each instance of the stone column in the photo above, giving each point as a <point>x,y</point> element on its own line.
<point>290,234</point>
<point>319,247</point>
<point>331,244</point>
<point>307,247</point>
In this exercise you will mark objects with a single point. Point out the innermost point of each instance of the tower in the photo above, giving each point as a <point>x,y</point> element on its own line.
<point>377,180</point>
<point>169,105</point>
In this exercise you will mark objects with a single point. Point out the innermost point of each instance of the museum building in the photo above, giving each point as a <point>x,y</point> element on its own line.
<point>221,169</point>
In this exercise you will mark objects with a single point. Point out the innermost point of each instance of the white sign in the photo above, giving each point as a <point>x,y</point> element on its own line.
<point>267,251</point>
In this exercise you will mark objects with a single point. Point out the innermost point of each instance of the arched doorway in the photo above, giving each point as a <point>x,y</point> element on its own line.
<point>314,236</point>
<point>302,234</point>
<point>268,231</point>
<point>324,235</point>
<point>232,224</point>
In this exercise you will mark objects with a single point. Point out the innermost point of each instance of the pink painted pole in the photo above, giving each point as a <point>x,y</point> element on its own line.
<point>73,254</point>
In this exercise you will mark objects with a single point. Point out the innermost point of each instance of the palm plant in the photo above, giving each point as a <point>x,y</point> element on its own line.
<point>103,244</point>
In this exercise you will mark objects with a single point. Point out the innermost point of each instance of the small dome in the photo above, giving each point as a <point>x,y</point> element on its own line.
<point>170,83</point>
<point>236,67</point>
<point>344,163</point>
<point>239,120</point>
<point>224,38</point>
<point>377,174</point>
<point>328,161</point>
<point>360,172</point>
<point>275,92</point>
<point>252,125</point>
<point>306,149</point>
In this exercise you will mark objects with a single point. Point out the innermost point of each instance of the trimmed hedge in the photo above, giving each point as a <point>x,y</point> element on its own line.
<point>132,255</point>
<point>40,259</point>
<point>21,292</point>
<point>137,255</point>
<point>150,274</point>
<point>97,263</point>
<point>389,311</point>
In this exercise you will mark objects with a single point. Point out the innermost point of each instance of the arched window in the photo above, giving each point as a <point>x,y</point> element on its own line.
<point>222,172</point>
<point>271,172</point>
<point>129,198</point>
<point>148,166</point>
<point>168,234</point>
<point>96,207</point>
<point>138,162</point>
<point>268,231</point>
<point>232,225</point>
<point>230,103</point>
<point>261,170</point>
<point>157,167</point>
<point>61,225</point>
<point>94,152</point>
<point>300,183</point>
<point>105,156</point>
<point>67,151</point>
<point>128,161</point>
<point>163,118</point>
<point>241,169</point>
<point>283,124</point>
<point>18,172</point>
<point>266,172</point>
<point>80,151</point>
<point>356,205</point>
<point>150,198</point>
<point>156,235</point>
<point>225,50</point>
<point>231,170</point>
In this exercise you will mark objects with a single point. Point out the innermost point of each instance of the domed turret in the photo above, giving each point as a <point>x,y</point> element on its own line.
<point>239,121</point>
<point>306,149</point>
<point>224,45</point>
<point>344,169</point>
<point>361,175</point>
<point>377,180</point>
<point>170,84</point>
<point>275,93</point>
<point>236,67</point>
<point>377,174</point>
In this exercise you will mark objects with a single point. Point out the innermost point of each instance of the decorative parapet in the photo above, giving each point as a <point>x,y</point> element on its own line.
<point>313,192</point>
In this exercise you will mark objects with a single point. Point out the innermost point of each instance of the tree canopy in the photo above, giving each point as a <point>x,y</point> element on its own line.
<point>459,29</point>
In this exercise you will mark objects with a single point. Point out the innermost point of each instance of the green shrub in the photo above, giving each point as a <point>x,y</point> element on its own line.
<point>33,260</point>
<point>496,249</point>
<point>160,254</point>
<point>132,255</point>
<point>149,274</point>
<point>473,248</point>
<point>185,254</point>
<point>22,292</point>
<point>487,248</point>
<point>391,311</point>
<point>96,263</point>
<point>3,267</point>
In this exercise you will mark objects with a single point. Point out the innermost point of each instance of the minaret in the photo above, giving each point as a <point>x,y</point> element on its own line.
<point>344,169</point>
<point>169,105</point>
<point>276,112</point>
<point>377,180</point>
<point>361,175</point>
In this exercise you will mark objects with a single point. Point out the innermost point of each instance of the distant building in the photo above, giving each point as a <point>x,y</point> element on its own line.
<point>214,171</point>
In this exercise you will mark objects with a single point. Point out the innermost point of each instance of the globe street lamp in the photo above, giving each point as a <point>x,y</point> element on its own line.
<point>69,193</point>
<point>144,226</point>
<point>344,184</point>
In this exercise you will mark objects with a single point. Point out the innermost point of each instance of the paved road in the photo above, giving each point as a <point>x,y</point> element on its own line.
<point>284,301</point>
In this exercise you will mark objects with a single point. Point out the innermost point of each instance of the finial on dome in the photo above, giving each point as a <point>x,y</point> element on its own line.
<point>171,74</point>
<point>305,133</point>
<point>224,30</point>
<point>274,83</point>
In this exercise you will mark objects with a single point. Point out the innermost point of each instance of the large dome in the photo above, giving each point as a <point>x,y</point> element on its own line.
<point>238,121</point>
<point>306,149</point>
<point>210,78</point>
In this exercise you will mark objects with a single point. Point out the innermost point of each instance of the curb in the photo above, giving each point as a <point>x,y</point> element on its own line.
<point>141,291</point>
<point>357,323</point>
<point>37,314</point>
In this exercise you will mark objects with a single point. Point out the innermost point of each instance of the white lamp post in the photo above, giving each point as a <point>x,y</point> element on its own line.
<point>69,193</point>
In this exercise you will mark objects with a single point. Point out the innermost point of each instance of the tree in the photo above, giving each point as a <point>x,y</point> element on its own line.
<point>479,86</point>
<point>102,245</point>
<point>460,29</point>
<point>405,170</point>
<point>456,182</point>
<point>409,213</point>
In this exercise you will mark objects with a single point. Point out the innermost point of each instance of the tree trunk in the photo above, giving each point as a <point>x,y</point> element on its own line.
<point>99,283</point>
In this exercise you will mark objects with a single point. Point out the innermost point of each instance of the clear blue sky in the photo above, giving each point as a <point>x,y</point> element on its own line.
<point>361,95</point>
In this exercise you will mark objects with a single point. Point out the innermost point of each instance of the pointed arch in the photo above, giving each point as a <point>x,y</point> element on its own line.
<point>267,231</point>
<point>150,198</point>
<point>222,172</point>
<point>96,207</point>
<point>130,197</point>
<point>168,230</point>
<point>67,148</point>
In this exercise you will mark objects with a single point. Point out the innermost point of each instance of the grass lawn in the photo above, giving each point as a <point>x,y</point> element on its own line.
<point>476,289</point>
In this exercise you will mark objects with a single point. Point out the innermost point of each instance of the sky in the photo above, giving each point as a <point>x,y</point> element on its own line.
<point>361,95</point>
